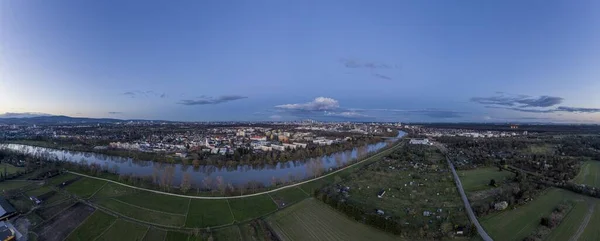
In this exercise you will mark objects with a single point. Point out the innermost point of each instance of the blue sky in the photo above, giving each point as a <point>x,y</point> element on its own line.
<point>286,60</point>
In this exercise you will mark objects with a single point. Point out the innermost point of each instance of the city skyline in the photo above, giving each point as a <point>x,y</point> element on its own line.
<point>267,60</point>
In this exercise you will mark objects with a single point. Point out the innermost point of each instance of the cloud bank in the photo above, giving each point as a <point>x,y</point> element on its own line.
<point>208,100</point>
<point>318,104</point>
<point>528,104</point>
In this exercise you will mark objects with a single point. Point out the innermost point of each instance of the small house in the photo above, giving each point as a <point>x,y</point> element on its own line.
<point>426,213</point>
<point>380,193</point>
<point>379,211</point>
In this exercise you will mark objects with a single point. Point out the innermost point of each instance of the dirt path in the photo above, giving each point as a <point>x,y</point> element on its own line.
<point>584,223</point>
<point>242,196</point>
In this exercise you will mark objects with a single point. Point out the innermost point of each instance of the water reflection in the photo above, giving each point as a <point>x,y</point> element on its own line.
<point>236,175</point>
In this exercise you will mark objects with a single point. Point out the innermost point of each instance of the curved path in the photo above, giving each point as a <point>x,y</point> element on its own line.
<point>584,223</point>
<point>242,196</point>
<point>472,216</point>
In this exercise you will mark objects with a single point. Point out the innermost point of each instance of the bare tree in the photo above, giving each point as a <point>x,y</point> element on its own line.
<point>186,182</point>
<point>207,181</point>
<point>155,173</point>
<point>221,184</point>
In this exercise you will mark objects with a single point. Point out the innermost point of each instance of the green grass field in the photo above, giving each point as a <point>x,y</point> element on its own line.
<point>145,215</point>
<point>541,149</point>
<point>155,235</point>
<point>479,179</point>
<point>163,203</point>
<point>176,236</point>
<point>124,230</point>
<point>313,220</point>
<point>113,190</point>
<point>92,227</point>
<point>289,196</point>
<point>252,207</point>
<point>227,234</point>
<point>525,219</point>
<point>10,169</point>
<point>570,224</point>
<point>38,191</point>
<point>208,213</point>
<point>60,179</point>
<point>591,231</point>
<point>589,174</point>
<point>85,187</point>
<point>11,185</point>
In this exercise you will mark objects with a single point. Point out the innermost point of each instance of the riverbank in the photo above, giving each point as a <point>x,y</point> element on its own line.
<point>198,158</point>
<point>219,189</point>
<point>203,176</point>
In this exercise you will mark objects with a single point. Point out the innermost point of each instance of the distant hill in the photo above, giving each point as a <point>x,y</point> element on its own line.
<point>22,115</point>
<point>58,119</point>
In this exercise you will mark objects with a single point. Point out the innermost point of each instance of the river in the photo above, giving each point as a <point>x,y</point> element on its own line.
<point>296,169</point>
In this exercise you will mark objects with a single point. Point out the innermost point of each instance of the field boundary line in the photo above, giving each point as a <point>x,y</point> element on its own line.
<point>303,191</point>
<point>86,218</point>
<point>187,211</point>
<point>120,215</point>
<point>247,195</point>
<point>146,233</point>
<point>109,226</point>
<point>97,191</point>
<point>272,199</point>
<point>147,209</point>
<point>584,223</point>
<point>231,211</point>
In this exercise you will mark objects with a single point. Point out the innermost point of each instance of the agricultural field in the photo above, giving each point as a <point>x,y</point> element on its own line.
<point>92,227</point>
<point>227,233</point>
<point>144,215</point>
<point>124,230</point>
<point>589,174</point>
<point>571,223</point>
<point>252,207</point>
<point>60,179</point>
<point>541,149</point>
<point>85,187</point>
<point>163,203</point>
<point>412,187</point>
<point>591,230</point>
<point>288,196</point>
<point>208,213</point>
<point>11,185</point>
<point>9,169</point>
<point>176,236</point>
<point>313,220</point>
<point>479,179</point>
<point>60,226</point>
<point>154,234</point>
<point>523,220</point>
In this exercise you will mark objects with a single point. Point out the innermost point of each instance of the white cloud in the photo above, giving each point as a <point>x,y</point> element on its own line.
<point>318,104</point>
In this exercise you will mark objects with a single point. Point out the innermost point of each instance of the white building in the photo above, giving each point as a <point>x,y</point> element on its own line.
<point>278,147</point>
<point>301,145</point>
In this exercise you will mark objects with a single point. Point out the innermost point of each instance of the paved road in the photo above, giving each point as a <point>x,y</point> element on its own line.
<point>247,195</point>
<point>472,216</point>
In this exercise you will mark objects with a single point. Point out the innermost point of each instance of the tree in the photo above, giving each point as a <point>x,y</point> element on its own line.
<point>221,184</point>
<point>186,182</point>
<point>207,181</point>
<point>196,163</point>
<point>492,183</point>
